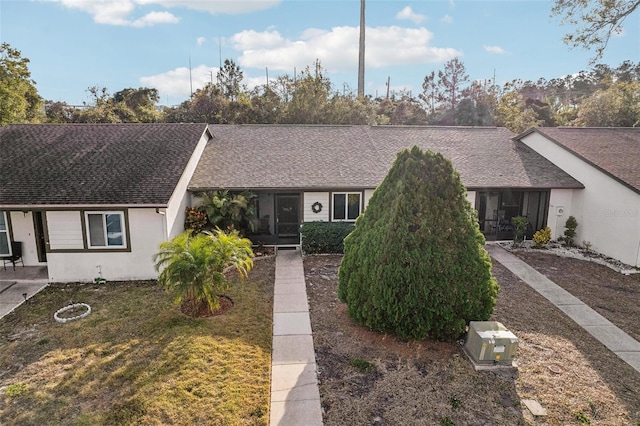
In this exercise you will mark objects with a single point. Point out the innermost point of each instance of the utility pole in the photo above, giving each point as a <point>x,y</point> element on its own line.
<point>190,80</point>
<point>361,52</point>
<point>388,85</point>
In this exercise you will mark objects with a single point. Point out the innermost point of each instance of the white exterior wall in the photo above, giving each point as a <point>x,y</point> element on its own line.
<point>23,231</point>
<point>471,197</point>
<point>368,193</point>
<point>180,199</point>
<point>560,208</point>
<point>146,231</point>
<point>608,213</point>
<point>311,198</point>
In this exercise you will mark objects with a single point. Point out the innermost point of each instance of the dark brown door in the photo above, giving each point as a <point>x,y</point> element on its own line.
<point>41,246</point>
<point>287,215</point>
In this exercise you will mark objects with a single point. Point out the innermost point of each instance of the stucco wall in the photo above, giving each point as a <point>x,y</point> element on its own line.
<point>146,231</point>
<point>471,196</point>
<point>180,199</point>
<point>560,208</point>
<point>608,213</point>
<point>368,193</point>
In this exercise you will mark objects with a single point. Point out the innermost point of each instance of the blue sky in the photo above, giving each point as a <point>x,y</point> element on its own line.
<point>76,44</point>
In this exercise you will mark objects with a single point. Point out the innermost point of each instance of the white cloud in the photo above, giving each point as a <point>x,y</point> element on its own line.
<point>337,49</point>
<point>408,14</point>
<point>176,83</point>
<point>119,12</point>
<point>250,39</point>
<point>447,19</point>
<point>201,40</point>
<point>496,50</point>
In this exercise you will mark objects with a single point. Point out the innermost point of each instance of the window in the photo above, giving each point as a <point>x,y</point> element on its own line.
<point>105,229</point>
<point>5,247</point>
<point>346,206</point>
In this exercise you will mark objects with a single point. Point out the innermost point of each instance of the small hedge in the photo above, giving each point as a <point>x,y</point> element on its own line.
<point>324,237</point>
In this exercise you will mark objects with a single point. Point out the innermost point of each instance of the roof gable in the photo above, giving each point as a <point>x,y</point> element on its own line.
<point>613,150</point>
<point>308,157</point>
<point>90,164</point>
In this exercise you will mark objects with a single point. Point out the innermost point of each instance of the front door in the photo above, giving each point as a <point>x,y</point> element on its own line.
<point>287,215</point>
<point>41,246</point>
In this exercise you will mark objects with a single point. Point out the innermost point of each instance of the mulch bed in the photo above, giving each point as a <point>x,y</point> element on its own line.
<point>416,383</point>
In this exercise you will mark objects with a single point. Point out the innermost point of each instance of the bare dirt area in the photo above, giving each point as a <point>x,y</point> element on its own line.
<point>368,378</point>
<point>613,295</point>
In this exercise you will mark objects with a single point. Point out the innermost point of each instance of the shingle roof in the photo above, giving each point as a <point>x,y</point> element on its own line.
<point>614,150</point>
<point>308,157</point>
<point>89,164</point>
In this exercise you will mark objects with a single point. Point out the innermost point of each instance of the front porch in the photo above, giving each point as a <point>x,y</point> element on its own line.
<point>497,208</point>
<point>278,219</point>
<point>24,273</point>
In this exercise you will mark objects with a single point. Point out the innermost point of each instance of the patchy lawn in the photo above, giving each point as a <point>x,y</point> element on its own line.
<point>370,378</point>
<point>136,359</point>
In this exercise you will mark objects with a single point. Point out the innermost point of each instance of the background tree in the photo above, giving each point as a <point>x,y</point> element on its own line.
<point>59,112</point>
<point>266,106</point>
<point>100,110</point>
<point>310,97</point>
<point>616,106</point>
<point>19,99</point>
<point>596,21</point>
<point>451,83</point>
<point>415,264</point>
<point>230,79</point>
<point>192,268</point>
<point>477,106</point>
<point>513,113</point>
<point>137,105</point>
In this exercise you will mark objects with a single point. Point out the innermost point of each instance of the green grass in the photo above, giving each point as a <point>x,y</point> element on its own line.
<point>362,365</point>
<point>136,359</point>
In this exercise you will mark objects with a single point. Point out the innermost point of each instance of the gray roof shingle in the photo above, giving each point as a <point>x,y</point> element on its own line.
<point>614,150</point>
<point>91,164</point>
<point>322,157</point>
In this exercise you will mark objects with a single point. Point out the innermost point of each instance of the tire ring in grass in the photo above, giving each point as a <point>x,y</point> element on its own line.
<point>68,308</point>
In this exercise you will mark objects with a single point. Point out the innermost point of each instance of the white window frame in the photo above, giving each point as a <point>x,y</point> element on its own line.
<point>104,214</point>
<point>6,231</point>
<point>346,205</point>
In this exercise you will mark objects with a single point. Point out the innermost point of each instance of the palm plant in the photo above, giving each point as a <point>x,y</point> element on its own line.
<point>228,210</point>
<point>193,266</point>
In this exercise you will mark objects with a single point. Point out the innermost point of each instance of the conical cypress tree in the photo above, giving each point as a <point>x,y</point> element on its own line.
<point>415,264</point>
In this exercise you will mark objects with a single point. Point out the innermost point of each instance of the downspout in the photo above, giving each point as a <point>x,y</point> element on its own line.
<point>165,233</point>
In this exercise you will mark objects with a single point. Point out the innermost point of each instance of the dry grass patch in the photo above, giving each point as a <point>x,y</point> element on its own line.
<point>137,359</point>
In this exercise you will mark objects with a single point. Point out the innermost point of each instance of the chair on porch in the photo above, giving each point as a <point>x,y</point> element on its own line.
<point>16,256</point>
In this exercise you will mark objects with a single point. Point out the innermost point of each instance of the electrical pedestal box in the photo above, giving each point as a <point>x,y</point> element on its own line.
<point>490,343</point>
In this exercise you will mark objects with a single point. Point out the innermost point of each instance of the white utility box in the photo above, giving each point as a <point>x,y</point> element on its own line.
<point>490,343</point>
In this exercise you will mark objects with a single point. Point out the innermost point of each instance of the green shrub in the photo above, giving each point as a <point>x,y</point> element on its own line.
<point>415,264</point>
<point>192,267</point>
<point>519,224</point>
<point>195,220</point>
<point>570,232</point>
<point>324,237</point>
<point>542,237</point>
<point>229,210</point>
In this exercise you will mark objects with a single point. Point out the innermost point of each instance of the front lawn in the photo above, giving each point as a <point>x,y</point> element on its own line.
<point>137,359</point>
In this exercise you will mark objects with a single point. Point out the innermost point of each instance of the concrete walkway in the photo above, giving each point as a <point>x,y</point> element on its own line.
<point>19,285</point>
<point>295,398</point>
<point>620,343</point>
